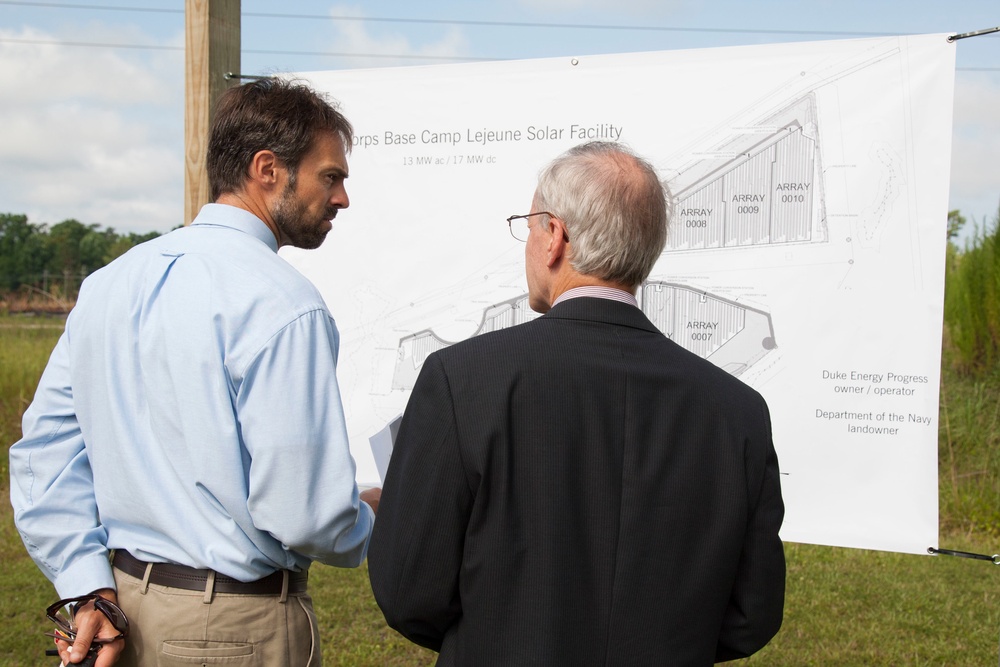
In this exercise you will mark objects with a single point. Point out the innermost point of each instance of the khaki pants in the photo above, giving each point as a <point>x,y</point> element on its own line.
<point>171,626</point>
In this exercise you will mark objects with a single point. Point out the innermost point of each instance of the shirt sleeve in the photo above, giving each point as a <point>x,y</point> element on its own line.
<point>301,482</point>
<point>52,487</point>
<point>416,554</point>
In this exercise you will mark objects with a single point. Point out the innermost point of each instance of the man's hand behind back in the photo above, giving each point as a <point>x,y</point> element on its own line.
<point>91,623</point>
<point>371,496</point>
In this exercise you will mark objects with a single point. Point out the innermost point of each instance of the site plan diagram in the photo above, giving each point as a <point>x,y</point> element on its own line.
<point>805,255</point>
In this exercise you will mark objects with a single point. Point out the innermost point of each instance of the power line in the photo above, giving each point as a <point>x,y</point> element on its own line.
<point>103,45</point>
<point>57,42</point>
<point>410,56</point>
<point>64,5</point>
<point>326,54</point>
<point>508,24</point>
<point>573,26</point>
<point>501,24</point>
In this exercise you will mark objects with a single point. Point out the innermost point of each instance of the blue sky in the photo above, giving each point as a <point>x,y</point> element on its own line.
<point>91,116</point>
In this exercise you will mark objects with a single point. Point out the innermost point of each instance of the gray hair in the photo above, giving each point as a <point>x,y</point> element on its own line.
<point>614,206</point>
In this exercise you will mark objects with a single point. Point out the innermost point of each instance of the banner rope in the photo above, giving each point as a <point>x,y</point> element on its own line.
<point>995,558</point>
<point>985,31</point>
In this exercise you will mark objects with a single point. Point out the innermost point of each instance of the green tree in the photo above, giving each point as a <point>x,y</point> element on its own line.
<point>64,240</point>
<point>94,247</point>
<point>955,223</point>
<point>122,244</point>
<point>57,258</point>
<point>972,299</point>
<point>23,251</point>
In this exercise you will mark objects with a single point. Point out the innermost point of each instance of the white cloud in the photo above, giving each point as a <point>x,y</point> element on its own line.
<point>975,168</point>
<point>96,134</point>
<point>356,37</point>
<point>39,70</point>
<point>91,133</point>
<point>90,163</point>
<point>625,6</point>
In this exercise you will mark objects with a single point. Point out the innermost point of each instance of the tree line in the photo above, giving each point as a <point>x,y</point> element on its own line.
<point>47,264</point>
<point>55,259</point>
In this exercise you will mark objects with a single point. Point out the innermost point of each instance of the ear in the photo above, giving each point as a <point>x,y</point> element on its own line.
<point>558,244</point>
<point>265,169</point>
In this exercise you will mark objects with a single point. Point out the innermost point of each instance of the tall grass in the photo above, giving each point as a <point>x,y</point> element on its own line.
<point>972,301</point>
<point>970,387</point>
<point>969,453</point>
<point>25,345</point>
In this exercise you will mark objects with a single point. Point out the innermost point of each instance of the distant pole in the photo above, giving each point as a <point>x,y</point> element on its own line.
<point>212,48</point>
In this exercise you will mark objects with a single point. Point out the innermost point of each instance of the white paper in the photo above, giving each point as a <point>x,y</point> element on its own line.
<point>806,255</point>
<point>382,444</point>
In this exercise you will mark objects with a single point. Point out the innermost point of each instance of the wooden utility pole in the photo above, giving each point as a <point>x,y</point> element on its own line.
<point>212,48</point>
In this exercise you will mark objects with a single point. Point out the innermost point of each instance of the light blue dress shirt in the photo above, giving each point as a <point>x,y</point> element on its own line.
<point>190,413</point>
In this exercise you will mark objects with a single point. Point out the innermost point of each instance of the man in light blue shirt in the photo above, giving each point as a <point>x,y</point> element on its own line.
<point>190,421</point>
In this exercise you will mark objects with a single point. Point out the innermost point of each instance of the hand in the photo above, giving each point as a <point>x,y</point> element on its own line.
<point>372,496</point>
<point>92,623</point>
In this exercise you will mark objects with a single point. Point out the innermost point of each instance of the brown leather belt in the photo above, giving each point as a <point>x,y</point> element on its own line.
<point>191,579</point>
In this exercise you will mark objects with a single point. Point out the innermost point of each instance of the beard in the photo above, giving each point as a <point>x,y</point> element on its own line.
<point>290,217</point>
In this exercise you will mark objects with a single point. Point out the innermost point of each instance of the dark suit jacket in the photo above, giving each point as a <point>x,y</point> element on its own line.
<point>580,490</point>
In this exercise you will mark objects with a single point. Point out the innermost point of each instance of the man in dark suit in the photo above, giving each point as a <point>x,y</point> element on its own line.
<point>580,490</point>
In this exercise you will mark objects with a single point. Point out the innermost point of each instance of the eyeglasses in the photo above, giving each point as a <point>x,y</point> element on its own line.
<point>519,225</point>
<point>63,613</point>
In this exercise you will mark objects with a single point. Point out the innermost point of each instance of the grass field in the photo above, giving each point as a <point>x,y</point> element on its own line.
<point>843,607</point>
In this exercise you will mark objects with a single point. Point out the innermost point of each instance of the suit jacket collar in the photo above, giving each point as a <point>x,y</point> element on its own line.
<point>607,311</point>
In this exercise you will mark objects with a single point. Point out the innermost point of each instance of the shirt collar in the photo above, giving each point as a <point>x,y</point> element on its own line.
<point>223,215</point>
<point>599,292</point>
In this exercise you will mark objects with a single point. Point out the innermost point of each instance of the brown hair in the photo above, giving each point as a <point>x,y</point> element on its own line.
<point>268,114</point>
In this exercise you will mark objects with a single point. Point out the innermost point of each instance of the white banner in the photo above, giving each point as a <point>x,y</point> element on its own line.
<point>806,255</point>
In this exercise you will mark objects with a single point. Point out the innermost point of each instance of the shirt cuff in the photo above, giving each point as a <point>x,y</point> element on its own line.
<point>86,574</point>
